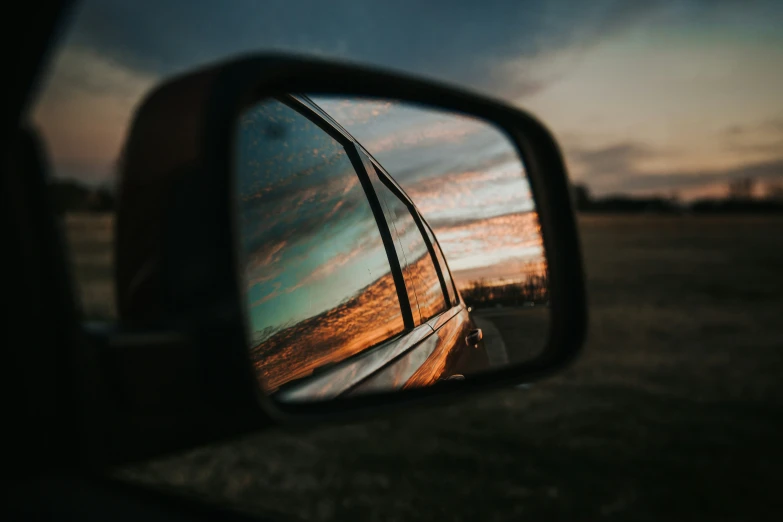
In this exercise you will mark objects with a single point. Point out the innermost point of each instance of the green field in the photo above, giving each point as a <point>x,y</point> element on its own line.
<point>674,412</point>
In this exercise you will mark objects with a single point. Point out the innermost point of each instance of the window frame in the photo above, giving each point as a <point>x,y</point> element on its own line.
<point>445,263</point>
<point>392,184</point>
<point>395,188</point>
<point>354,150</point>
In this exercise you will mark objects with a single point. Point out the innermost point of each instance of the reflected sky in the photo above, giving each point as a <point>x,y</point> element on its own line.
<point>331,336</point>
<point>465,177</point>
<point>421,278</point>
<point>317,280</point>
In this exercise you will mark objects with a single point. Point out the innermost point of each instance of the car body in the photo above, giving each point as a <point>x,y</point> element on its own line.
<point>318,357</point>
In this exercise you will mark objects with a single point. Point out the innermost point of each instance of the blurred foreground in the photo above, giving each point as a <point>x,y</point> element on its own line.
<point>675,410</point>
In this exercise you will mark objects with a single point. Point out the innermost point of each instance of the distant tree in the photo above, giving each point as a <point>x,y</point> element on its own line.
<point>741,188</point>
<point>67,196</point>
<point>480,294</point>
<point>582,196</point>
<point>774,191</point>
<point>72,196</point>
<point>100,200</point>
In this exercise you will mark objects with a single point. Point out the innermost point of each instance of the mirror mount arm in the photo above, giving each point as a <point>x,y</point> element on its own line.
<point>147,396</point>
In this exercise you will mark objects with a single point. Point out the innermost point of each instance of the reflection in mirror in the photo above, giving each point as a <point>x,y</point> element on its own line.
<point>383,246</point>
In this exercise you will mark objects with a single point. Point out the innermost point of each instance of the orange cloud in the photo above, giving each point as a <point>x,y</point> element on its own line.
<point>502,246</point>
<point>366,319</point>
<point>455,129</point>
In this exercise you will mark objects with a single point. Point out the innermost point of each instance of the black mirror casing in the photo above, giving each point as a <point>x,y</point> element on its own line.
<point>178,277</point>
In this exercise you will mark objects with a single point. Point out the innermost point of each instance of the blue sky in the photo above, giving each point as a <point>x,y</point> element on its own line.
<point>653,96</point>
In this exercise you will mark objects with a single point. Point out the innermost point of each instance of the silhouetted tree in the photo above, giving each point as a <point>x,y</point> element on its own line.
<point>741,188</point>
<point>581,194</point>
<point>775,191</point>
<point>72,196</point>
<point>100,200</point>
<point>534,290</point>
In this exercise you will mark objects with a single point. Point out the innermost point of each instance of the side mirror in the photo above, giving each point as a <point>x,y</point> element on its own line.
<point>321,239</point>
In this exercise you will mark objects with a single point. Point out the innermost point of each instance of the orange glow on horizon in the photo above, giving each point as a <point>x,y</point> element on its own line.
<point>329,337</point>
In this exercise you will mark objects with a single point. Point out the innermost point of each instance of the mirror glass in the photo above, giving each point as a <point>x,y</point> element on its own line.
<point>383,246</point>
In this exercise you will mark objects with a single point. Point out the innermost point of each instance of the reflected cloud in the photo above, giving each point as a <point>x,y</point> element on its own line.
<point>82,112</point>
<point>428,134</point>
<point>494,247</point>
<point>296,351</point>
<point>318,281</point>
<point>349,112</point>
<point>309,235</point>
<point>468,181</point>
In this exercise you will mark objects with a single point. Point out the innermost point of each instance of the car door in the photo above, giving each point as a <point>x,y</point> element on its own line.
<point>453,329</point>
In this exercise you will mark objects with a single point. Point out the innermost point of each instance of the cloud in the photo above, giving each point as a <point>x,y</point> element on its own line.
<point>748,149</point>
<point>87,94</point>
<point>348,112</point>
<point>611,161</point>
<point>482,243</point>
<point>619,168</point>
<point>337,262</point>
<point>115,50</point>
<point>773,126</point>
<point>464,41</point>
<point>274,293</point>
<point>765,138</point>
<point>767,170</point>
<point>437,132</point>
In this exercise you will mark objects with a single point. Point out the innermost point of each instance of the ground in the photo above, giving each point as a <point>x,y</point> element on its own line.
<point>674,411</point>
<point>522,332</point>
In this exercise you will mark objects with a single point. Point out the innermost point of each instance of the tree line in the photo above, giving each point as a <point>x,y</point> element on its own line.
<point>483,294</point>
<point>72,196</point>
<point>741,196</point>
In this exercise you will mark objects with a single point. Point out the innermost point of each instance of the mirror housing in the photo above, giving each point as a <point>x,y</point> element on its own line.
<point>177,271</point>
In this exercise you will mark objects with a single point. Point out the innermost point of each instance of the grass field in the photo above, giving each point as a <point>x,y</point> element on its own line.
<point>89,239</point>
<point>675,410</point>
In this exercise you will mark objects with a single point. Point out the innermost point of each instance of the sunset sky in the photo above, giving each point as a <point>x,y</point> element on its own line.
<point>318,286</point>
<point>308,235</point>
<point>650,96</point>
<point>465,177</point>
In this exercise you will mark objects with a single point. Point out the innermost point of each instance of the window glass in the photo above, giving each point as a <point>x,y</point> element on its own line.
<point>381,191</point>
<point>442,262</point>
<point>318,285</point>
<point>419,267</point>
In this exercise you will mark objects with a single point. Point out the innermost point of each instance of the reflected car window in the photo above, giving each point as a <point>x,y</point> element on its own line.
<point>419,267</point>
<point>318,285</point>
<point>442,262</point>
<point>401,258</point>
